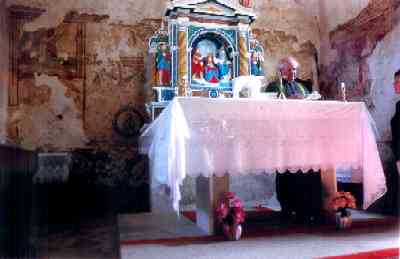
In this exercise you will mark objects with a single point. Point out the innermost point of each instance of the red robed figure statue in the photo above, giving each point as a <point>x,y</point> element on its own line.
<point>245,3</point>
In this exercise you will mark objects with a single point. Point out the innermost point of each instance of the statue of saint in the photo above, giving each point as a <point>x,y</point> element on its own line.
<point>197,65</point>
<point>163,65</point>
<point>245,3</point>
<point>223,64</point>
<point>210,70</point>
<point>256,68</point>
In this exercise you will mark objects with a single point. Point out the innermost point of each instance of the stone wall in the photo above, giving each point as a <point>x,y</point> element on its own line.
<point>3,70</point>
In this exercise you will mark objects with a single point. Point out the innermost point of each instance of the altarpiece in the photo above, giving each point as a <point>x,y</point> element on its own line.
<point>201,46</point>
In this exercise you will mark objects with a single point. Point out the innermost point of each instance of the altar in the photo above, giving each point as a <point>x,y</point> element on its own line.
<point>210,138</point>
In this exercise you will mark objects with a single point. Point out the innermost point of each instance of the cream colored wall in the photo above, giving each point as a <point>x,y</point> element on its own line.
<point>338,12</point>
<point>383,63</point>
<point>3,70</point>
<point>289,27</point>
<point>124,12</point>
<point>333,14</point>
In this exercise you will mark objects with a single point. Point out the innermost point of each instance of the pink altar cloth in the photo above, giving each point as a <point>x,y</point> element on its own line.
<point>204,136</point>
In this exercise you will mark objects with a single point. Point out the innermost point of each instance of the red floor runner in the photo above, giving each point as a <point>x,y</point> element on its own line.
<point>390,253</point>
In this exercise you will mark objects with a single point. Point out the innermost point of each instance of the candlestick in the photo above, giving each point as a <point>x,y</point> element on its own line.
<point>281,94</point>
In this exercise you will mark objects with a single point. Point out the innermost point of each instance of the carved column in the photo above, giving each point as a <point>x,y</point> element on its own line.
<point>243,50</point>
<point>182,57</point>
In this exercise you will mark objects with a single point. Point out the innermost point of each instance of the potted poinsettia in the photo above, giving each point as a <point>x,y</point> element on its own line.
<point>341,202</point>
<point>230,213</point>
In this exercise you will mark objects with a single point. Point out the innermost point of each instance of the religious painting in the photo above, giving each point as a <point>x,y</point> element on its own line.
<point>211,62</point>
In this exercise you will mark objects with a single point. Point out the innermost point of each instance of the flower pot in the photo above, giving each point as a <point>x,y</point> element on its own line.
<point>343,222</point>
<point>232,232</point>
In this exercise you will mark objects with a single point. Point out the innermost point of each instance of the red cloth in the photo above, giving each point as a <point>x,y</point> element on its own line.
<point>214,78</point>
<point>197,67</point>
<point>245,3</point>
<point>166,73</point>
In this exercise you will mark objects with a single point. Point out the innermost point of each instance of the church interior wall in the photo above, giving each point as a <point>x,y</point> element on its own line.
<point>62,106</point>
<point>289,27</point>
<point>116,36</point>
<point>358,47</point>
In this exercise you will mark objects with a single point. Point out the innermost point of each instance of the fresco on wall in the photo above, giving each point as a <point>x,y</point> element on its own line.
<point>52,52</point>
<point>354,42</point>
<point>83,62</point>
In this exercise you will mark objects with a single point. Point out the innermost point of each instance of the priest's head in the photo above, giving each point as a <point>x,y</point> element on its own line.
<point>288,68</point>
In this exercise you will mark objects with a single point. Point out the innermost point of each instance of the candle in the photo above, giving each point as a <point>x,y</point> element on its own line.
<point>343,87</point>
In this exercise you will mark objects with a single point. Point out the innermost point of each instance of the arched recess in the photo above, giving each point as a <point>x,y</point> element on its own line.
<point>219,38</point>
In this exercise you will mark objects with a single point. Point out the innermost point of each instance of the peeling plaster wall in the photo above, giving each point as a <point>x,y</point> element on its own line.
<point>114,42</point>
<point>3,70</point>
<point>383,63</point>
<point>125,12</point>
<point>56,124</point>
<point>59,106</point>
<point>289,27</point>
<point>332,14</point>
<point>74,74</point>
<point>336,13</point>
<point>359,46</point>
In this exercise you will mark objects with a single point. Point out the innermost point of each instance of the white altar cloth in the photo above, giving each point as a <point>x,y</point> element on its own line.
<point>204,136</point>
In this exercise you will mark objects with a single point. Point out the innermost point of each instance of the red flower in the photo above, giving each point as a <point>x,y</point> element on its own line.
<point>235,203</point>
<point>343,200</point>
<point>229,195</point>
<point>230,210</point>
<point>238,215</point>
<point>222,211</point>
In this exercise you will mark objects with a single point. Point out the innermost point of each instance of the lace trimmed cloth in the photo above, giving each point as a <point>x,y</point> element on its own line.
<point>201,136</point>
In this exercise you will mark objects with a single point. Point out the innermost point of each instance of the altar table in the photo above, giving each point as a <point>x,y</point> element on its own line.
<point>212,137</point>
